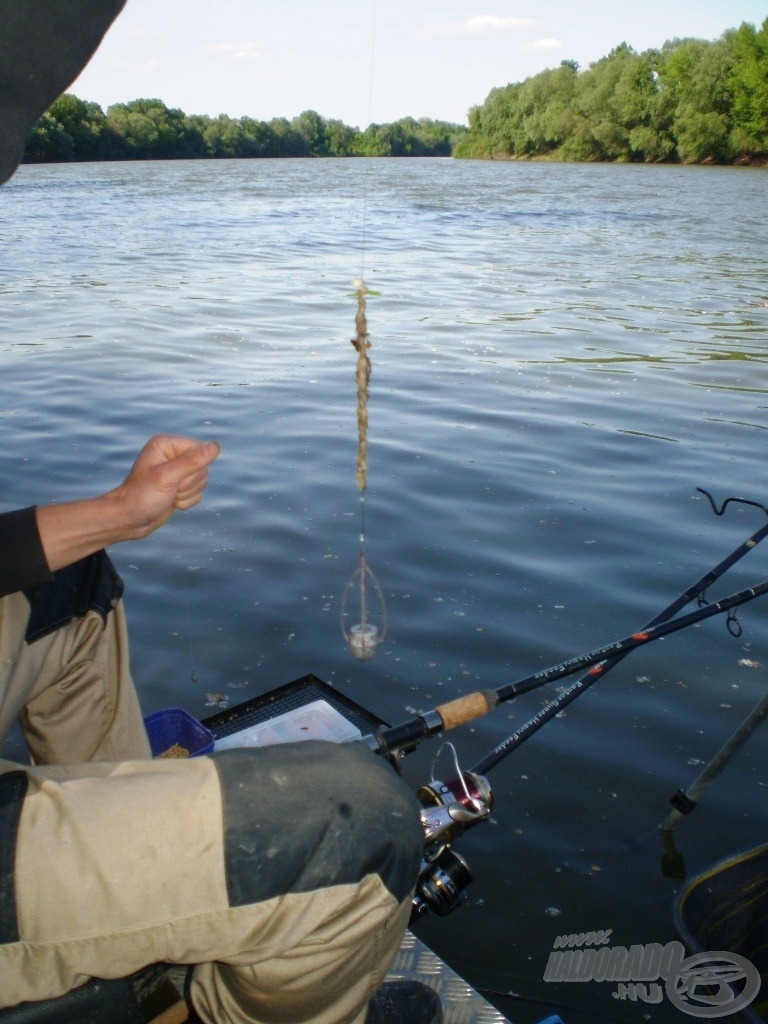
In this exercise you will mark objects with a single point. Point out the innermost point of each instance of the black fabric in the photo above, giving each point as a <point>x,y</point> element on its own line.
<point>13,789</point>
<point>44,45</point>
<point>22,561</point>
<point>95,1002</point>
<point>92,584</point>
<point>306,816</point>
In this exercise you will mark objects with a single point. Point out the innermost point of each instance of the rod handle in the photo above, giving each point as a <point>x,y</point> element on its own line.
<point>465,709</point>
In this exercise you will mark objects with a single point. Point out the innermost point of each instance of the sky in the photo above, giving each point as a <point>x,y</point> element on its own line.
<point>364,61</point>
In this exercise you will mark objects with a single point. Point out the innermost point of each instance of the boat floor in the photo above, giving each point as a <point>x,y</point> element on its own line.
<point>461,1003</point>
<point>414,961</point>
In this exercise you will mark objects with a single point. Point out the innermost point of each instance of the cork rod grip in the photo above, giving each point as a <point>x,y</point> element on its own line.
<point>465,709</point>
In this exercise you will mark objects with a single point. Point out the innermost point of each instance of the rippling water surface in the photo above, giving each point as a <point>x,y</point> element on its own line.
<point>561,355</point>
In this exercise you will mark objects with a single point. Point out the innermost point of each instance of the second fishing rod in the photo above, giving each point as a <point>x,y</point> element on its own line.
<point>463,800</point>
<point>400,738</point>
<point>697,590</point>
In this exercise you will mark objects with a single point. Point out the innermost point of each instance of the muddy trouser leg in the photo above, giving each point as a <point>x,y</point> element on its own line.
<point>64,669</point>
<point>284,873</point>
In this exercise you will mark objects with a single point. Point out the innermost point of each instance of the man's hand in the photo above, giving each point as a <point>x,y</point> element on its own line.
<point>169,473</point>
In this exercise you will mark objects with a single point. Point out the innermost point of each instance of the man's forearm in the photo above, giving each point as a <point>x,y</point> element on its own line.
<point>74,529</point>
<point>169,474</point>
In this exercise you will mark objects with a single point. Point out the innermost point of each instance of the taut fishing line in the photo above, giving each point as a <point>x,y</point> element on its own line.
<point>363,611</point>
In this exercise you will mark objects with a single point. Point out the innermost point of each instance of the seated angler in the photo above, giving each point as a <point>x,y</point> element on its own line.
<point>283,876</point>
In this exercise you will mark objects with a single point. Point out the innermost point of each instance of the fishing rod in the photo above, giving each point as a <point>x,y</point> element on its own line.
<point>451,807</point>
<point>696,590</point>
<point>401,738</point>
<point>465,709</point>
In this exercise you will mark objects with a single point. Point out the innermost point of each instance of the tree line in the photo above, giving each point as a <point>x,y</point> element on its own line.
<point>146,129</point>
<point>691,101</point>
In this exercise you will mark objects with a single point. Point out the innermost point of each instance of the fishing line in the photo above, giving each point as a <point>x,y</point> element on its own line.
<point>370,119</point>
<point>192,675</point>
<point>363,611</point>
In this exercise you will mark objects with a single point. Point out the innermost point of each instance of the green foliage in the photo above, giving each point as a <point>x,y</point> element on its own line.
<point>408,137</point>
<point>145,129</point>
<point>692,101</point>
<point>150,130</point>
<point>748,85</point>
<point>71,129</point>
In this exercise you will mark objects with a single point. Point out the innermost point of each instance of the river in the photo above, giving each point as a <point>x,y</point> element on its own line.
<point>561,355</point>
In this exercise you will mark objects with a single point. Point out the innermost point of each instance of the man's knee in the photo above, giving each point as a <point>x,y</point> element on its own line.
<point>305,816</point>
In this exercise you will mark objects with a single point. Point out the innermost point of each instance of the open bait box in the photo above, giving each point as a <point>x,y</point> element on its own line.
<point>305,709</point>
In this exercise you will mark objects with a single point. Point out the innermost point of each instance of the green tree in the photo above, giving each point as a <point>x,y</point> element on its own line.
<point>608,105</point>
<point>220,136</point>
<point>285,141</point>
<point>695,74</point>
<point>85,123</point>
<point>255,138</point>
<point>341,140</point>
<point>150,130</point>
<point>492,126</point>
<point>748,84</point>
<point>309,134</point>
<point>545,110</point>
<point>136,127</point>
<point>48,142</point>
<point>72,129</point>
<point>693,100</point>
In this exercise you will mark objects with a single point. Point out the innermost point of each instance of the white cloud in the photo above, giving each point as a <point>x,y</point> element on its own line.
<point>237,51</point>
<point>542,45</point>
<point>480,25</point>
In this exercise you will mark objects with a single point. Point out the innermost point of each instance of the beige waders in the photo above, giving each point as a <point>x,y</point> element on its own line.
<point>283,873</point>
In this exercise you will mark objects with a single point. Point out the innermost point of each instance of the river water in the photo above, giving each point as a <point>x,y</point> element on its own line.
<point>561,355</point>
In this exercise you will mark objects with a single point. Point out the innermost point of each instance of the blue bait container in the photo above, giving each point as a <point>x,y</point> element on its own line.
<point>176,727</point>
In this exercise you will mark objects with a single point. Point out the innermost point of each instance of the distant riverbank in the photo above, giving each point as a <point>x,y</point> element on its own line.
<point>73,129</point>
<point>689,102</point>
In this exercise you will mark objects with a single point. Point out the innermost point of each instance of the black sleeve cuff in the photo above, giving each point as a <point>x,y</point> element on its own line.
<point>22,560</point>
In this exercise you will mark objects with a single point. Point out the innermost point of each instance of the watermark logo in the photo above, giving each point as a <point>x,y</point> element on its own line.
<point>706,985</point>
<point>712,985</point>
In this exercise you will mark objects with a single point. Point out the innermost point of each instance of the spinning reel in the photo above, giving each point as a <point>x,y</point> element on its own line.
<point>448,810</point>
